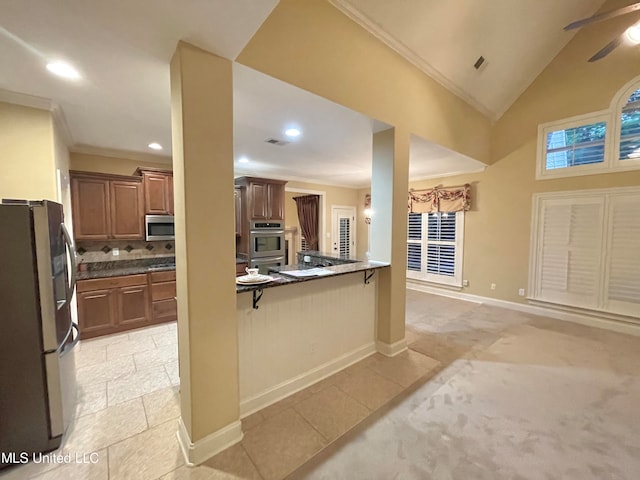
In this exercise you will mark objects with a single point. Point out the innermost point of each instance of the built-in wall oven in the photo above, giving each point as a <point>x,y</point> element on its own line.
<point>267,239</point>
<point>263,264</point>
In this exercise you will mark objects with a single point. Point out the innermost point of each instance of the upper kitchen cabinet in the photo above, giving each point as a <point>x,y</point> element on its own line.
<point>158,191</point>
<point>263,198</point>
<point>106,207</point>
<point>237,197</point>
<point>126,207</point>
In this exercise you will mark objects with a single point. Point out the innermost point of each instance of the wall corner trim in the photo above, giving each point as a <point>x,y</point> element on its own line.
<point>207,447</point>
<point>391,349</point>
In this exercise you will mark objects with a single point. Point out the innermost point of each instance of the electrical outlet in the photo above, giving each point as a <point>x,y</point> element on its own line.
<point>521,292</point>
<point>493,286</point>
<point>465,283</point>
<point>115,252</point>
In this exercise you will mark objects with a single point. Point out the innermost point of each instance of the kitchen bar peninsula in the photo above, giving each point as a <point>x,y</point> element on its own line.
<point>303,329</point>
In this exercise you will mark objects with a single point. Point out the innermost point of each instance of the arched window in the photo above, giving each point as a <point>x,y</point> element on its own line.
<point>599,142</point>
<point>630,128</point>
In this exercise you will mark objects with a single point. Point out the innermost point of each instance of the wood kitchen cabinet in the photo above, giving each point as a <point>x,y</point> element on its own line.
<point>164,307</point>
<point>106,207</point>
<point>237,197</point>
<point>158,191</point>
<point>241,268</point>
<point>263,199</point>
<point>111,305</point>
<point>126,207</point>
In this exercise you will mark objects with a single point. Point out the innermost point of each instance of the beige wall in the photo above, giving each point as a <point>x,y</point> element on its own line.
<point>334,196</point>
<point>290,210</point>
<point>314,46</point>
<point>108,164</point>
<point>497,229</point>
<point>202,137</point>
<point>27,153</point>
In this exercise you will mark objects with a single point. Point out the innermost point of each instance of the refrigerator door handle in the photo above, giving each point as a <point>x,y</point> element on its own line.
<point>60,349</point>
<point>69,347</point>
<point>74,263</point>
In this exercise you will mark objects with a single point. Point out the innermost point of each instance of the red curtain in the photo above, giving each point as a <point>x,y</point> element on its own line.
<point>308,208</point>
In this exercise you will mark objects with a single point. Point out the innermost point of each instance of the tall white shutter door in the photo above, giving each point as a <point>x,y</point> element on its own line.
<point>623,255</point>
<point>345,236</point>
<point>569,262</point>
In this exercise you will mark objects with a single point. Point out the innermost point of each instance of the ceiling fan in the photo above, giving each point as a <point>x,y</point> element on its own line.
<point>632,33</point>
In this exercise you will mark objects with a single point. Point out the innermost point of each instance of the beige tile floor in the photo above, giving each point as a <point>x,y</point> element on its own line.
<point>127,409</point>
<point>128,406</point>
<point>471,370</point>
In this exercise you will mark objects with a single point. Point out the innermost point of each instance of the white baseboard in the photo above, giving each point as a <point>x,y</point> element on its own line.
<point>583,318</point>
<point>207,447</point>
<point>267,397</point>
<point>391,349</point>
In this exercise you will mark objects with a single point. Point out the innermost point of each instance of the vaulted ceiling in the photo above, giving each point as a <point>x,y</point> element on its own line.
<point>122,49</point>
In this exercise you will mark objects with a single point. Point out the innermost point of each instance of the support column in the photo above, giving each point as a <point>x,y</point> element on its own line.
<point>202,136</point>
<point>389,187</point>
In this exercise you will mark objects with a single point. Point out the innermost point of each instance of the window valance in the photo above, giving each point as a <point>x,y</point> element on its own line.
<point>440,199</point>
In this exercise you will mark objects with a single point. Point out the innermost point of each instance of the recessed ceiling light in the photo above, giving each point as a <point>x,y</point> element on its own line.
<point>292,132</point>
<point>155,146</point>
<point>243,160</point>
<point>63,69</point>
<point>633,33</point>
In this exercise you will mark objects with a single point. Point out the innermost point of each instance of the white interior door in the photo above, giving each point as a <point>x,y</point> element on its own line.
<point>343,231</point>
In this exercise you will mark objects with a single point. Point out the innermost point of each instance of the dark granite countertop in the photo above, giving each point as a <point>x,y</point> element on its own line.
<point>143,266</point>
<point>280,279</point>
<point>332,256</point>
<point>126,267</point>
<point>131,267</point>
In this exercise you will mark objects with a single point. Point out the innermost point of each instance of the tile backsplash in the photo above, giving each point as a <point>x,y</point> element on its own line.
<point>90,252</point>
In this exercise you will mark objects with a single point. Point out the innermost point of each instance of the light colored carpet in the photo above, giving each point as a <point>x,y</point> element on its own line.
<point>520,397</point>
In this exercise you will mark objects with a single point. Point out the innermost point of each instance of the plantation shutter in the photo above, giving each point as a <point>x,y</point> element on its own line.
<point>569,262</point>
<point>623,255</point>
<point>630,128</point>
<point>441,244</point>
<point>344,241</point>
<point>414,242</point>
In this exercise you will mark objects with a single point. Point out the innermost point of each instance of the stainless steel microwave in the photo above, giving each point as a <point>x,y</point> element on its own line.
<point>159,227</point>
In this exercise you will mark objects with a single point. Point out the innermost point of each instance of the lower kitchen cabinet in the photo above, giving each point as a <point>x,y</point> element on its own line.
<point>134,305</point>
<point>111,305</point>
<point>164,307</point>
<point>116,304</point>
<point>240,269</point>
<point>96,312</point>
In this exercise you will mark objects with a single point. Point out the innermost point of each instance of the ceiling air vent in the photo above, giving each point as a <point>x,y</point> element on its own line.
<point>275,141</point>
<point>479,63</point>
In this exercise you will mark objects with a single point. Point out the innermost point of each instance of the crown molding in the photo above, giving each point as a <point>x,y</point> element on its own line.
<point>41,103</point>
<point>448,174</point>
<point>26,100</point>
<point>241,172</point>
<point>404,51</point>
<point>124,154</point>
<point>60,121</point>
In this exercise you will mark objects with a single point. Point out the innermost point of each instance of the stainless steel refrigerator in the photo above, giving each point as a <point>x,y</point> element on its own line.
<point>37,334</point>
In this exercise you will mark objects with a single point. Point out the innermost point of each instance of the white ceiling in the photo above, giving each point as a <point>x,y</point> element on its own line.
<point>123,48</point>
<point>518,38</point>
<point>336,145</point>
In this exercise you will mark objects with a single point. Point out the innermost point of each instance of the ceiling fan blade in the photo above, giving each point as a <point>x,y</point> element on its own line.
<point>603,16</point>
<point>608,48</point>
